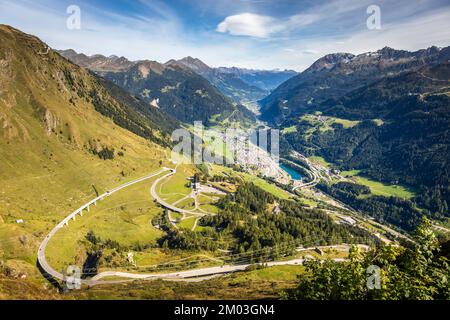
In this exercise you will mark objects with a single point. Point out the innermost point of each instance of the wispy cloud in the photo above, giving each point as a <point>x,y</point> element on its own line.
<point>245,33</point>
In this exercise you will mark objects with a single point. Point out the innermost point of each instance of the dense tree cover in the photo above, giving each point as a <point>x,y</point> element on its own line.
<point>249,222</point>
<point>380,99</point>
<point>396,211</point>
<point>95,247</point>
<point>250,197</point>
<point>185,239</point>
<point>411,147</point>
<point>126,116</point>
<point>180,92</point>
<point>419,272</point>
<point>102,252</point>
<point>445,247</point>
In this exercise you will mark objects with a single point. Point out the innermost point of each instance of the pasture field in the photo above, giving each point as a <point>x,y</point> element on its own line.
<point>379,188</point>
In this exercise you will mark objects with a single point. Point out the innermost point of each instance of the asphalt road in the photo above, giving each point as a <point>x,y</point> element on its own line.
<point>42,261</point>
<point>169,206</point>
<point>180,275</point>
<point>49,271</point>
<point>195,273</point>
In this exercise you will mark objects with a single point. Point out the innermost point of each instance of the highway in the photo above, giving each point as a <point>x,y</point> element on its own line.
<point>315,172</point>
<point>41,258</point>
<point>169,206</point>
<point>312,171</point>
<point>440,228</point>
<point>180,275</point>
<point>218,270</point>
<point>42,261</point>
<point>195,273</point>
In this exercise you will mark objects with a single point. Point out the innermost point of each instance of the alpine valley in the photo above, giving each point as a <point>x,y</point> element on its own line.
<point>93,190</point>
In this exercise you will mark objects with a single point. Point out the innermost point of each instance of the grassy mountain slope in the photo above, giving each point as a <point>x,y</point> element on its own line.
<point>62,139</point>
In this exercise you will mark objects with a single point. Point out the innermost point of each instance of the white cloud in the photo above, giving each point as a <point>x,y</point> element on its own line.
<point>310,51</point>
<point>273,42</point>
<point>248,24</point>
<point>259,26</point>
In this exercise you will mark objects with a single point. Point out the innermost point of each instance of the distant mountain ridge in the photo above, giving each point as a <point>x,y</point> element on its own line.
<point>243,85</point>
<point>265,79</point>
<point>334,75</point>
<point>172,88</point>
<point>178,91</point>
<point>98,62</point>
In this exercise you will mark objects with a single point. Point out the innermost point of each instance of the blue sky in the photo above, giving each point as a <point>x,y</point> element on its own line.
<point>263,34</point>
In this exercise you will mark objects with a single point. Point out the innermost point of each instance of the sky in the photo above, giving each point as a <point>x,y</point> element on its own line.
<point>258,34</point>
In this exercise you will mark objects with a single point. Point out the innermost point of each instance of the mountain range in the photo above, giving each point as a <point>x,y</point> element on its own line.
<point>97,63</point>
<point>243,86</point>
<point>397,101</point>
<point>335,75</point>
<point>171,87</point>
<point>393,128</point>
<point>74,126</point>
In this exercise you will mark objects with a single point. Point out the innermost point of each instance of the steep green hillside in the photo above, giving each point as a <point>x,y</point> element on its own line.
<point>62,140</point>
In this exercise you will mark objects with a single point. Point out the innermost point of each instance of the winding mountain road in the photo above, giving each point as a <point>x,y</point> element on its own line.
<point>51,272</point>
<point>312,171</point>
<point>42,261</point>
<point>167,205</point>
<point>180,275</point>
